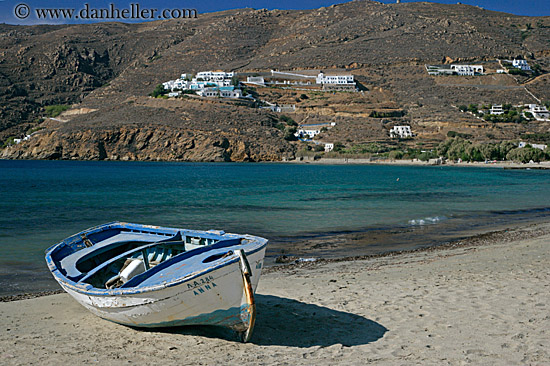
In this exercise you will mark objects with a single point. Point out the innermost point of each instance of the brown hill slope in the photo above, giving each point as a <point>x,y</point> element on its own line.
<point>105,65</point>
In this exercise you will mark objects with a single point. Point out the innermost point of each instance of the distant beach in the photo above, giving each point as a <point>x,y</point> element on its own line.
<point>482,301</point>
<point>415,162</point>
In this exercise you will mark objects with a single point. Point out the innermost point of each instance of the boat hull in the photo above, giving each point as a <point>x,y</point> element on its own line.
<point>214,297</point>
<point>149,276</point>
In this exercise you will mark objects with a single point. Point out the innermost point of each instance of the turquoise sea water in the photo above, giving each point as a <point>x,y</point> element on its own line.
<point>43,202</point>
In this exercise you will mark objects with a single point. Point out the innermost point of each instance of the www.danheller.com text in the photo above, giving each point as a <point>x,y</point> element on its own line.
<point>133,12</point>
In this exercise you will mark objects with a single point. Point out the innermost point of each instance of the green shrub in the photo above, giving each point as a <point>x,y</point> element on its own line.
<point>395,154</point>
<point>458,148</point>
<point>365,148</point>
<point>526,154</point>
<point>514,71</point>
<point>392,114</point>
<point>55,110</point>
<point>9,141</point>
<point>289,134</point>
<point>540,137</point>
<point>338,147</point>
<point>289,121</point>
<point>318,148</point>
<point>34,129</point>
<point>158,91</point>
<point>452,134</point>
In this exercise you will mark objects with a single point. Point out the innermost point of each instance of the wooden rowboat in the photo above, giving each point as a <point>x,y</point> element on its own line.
<point>149,276</point>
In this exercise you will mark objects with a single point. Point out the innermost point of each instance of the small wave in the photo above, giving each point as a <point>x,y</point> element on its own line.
<point>427,220</point>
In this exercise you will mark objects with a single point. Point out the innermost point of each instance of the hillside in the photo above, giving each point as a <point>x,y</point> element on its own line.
<point>106,71</point>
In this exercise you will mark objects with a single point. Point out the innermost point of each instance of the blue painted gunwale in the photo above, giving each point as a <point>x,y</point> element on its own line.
<point>253,245</point>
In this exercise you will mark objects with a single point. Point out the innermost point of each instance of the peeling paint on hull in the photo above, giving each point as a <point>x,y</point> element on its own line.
<point>212,294</point>
<point>180,305</point>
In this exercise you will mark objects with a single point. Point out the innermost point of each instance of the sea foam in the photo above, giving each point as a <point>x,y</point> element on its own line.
<point>427,220</point>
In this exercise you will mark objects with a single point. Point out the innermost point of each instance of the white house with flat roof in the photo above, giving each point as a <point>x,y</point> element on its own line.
<point>467,70</point>
<point>336,81</point>
<point>462,70</point>
<point>256,80</point>
<point>401,132</point>
<point>202,80</point>
<point>496,109</point>
<point>329,146</point>
<point>540,112</point>
<point>534,146</point>
<point>18,141</point>
<point>323,78</point>
<point>222,92</point>
<point>310,132</point>
<point>521,64</point>
<point>313,129</point>
<point>215,75</point>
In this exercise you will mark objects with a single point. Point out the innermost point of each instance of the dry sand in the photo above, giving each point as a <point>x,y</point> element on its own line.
<point>482,305</point>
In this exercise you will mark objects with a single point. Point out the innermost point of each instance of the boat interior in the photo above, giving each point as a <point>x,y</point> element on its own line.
<point>123,258</point>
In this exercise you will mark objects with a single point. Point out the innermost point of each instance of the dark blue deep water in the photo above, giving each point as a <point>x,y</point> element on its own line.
<point>42,202</point>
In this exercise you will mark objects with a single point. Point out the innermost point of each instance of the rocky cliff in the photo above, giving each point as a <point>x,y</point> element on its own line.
<point>148,143</point>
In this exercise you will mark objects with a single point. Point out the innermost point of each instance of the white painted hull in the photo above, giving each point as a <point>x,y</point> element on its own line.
<point>216,297</point>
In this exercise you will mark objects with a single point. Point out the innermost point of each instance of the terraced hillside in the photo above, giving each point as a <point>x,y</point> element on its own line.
<point>106,70</point>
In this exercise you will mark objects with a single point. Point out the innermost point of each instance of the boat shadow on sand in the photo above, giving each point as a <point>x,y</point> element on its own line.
<point>287,322</point>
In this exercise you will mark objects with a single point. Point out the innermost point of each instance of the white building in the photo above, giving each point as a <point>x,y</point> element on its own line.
<point>230,93</point>
<point>18,141</point>
<point>496,109</point>
<point>176,84</point>
<point>521,64</point>
<point>209,92</point>
<point>467,70</point>
<point>257,80</point>
<point>540,112</point>
<point>462,70</point>
<point>222,92</point>
<point>310,132</point>
<point>206,84</point>
<point>323,78</point>
<point>438,70</point>
<point>202,80</point>
<point>215,76</point>
<point>341,82</point>
<point>535,146</point>
<point>401,131</point>
<point>287,108</point>
<point>329,147</point>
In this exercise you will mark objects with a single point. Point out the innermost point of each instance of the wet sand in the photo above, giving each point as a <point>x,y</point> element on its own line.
<point>483,301</point>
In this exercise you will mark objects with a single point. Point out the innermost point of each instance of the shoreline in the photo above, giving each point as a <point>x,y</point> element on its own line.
<point>543,165</point>
<point>519,232</point>
<point>516,232</point>
<point>482,302</point>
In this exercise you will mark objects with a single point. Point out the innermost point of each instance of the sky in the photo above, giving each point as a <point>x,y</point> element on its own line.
<point>8,8</point>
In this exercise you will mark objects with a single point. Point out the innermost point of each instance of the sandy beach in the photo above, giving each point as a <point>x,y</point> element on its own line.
<point>415,162</point>
<point>482,302</point>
